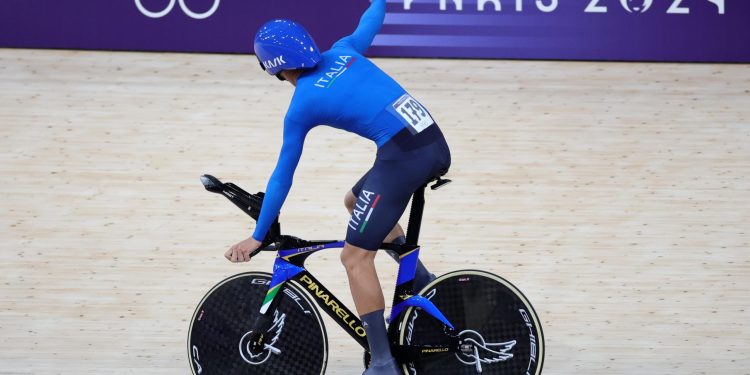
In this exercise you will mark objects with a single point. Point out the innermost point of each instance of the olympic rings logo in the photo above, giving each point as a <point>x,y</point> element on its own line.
<point>185,9</point>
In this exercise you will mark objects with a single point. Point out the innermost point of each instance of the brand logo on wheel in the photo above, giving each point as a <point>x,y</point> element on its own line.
<point>196,359</point>
<point>532,338</point>
<point>366,204</point>
<point>475,351</point>
<point>246,342</point>
<point>185,9</point>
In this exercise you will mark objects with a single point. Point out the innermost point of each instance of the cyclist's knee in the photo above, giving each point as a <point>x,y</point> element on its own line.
<point>353,257</point>
<point>349,200</point>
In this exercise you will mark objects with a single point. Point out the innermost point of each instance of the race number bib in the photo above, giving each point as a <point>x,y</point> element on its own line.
<point>414,115</point>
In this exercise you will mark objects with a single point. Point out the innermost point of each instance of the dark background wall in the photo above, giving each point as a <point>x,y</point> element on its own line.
<point>653,30</point>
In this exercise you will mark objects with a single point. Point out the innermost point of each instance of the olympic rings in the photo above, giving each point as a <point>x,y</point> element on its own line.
<point>183,6</point>
<point>199,16</point>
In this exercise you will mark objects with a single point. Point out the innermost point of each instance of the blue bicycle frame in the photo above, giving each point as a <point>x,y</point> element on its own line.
<point>289,266</point>
<point>292,253</point>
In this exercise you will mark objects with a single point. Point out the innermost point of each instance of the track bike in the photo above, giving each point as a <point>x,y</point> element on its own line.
<point>463,322</point>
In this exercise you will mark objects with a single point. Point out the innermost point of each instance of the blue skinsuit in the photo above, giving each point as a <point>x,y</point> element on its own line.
<point>345,91</point>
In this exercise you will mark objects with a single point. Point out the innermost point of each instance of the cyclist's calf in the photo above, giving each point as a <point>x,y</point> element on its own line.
<point>363,279</point>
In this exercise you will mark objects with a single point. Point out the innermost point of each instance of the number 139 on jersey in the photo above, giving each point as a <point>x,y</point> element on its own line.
<point>414,115</point>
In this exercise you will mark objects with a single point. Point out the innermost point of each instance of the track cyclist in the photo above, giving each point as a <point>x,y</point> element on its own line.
<point>343,89</point>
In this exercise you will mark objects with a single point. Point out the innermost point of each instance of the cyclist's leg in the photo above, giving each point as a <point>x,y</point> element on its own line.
<point>403,165</point>
<point>363,278</point>
<point>370,303</point>
<point>392,237</point>
<point>378,207</point>
<point>351,198</point>
<point>422,276</point>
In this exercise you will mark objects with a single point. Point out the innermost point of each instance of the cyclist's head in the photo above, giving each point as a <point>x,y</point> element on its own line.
<point>285,45</point>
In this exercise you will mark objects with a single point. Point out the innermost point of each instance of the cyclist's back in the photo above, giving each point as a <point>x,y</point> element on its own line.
<point>347,91</point>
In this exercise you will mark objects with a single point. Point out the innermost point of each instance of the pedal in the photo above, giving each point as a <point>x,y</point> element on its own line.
<point>440,183</point>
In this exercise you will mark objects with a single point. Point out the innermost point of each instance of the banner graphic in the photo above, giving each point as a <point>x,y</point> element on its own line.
<point>626,30</point>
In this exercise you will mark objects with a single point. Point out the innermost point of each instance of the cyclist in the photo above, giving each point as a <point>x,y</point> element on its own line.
<point>343,89</point>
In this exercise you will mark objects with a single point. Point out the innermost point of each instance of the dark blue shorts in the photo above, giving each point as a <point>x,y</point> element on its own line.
<point>402,165</point>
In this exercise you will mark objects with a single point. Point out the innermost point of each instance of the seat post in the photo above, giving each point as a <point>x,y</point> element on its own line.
<point>415,217</point>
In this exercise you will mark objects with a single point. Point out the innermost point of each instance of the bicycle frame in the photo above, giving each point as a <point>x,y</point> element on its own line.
<point>290,266</point>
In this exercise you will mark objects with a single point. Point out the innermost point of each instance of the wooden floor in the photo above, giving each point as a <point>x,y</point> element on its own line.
<point>617,196</point>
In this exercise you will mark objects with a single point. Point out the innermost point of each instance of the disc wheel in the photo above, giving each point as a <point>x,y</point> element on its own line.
<point>219,341</point>
<point>499,330</point>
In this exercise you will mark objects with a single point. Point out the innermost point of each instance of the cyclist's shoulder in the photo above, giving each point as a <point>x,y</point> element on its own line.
<point>298,112</point>
<point>341,50</point>
<point>342,44</point>
<point>304,101</point>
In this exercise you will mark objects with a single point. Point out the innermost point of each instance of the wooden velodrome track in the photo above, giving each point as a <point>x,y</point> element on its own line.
<point>616,195</point>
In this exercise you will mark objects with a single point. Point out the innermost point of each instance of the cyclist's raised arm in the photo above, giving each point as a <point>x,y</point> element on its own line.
<point>281,180</point>
<point>369,26</point>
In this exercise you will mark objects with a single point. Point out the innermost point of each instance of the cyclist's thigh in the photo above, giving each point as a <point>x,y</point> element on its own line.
<point>382,199</point>
<point>357,188</point>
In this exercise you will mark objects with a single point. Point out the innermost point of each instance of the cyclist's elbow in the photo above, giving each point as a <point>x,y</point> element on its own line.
<point>280,186</point>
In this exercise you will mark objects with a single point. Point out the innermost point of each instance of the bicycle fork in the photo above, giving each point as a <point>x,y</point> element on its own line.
<point>285,271</point>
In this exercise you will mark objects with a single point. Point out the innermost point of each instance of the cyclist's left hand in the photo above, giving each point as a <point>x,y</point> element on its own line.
<point>241,251</point>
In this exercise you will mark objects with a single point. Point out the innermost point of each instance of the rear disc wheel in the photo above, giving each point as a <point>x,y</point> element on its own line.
<point>499,330</point>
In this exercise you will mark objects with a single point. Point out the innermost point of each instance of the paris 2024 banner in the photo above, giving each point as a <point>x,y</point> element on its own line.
<point>625,30</point>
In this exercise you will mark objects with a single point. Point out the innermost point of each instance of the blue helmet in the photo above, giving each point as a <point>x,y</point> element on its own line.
<point>285,45</point>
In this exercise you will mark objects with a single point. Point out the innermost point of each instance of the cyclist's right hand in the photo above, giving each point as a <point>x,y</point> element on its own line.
<point>242,250</point>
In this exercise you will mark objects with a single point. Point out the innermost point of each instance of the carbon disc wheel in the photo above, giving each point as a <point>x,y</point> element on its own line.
<point>219,337</point>
<point>499,330</point>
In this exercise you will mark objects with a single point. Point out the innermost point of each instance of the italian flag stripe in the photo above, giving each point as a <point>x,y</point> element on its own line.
<point>269,297</point>
<point>375,203</point>
<point>337,77</point>
<point>369,213</point>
